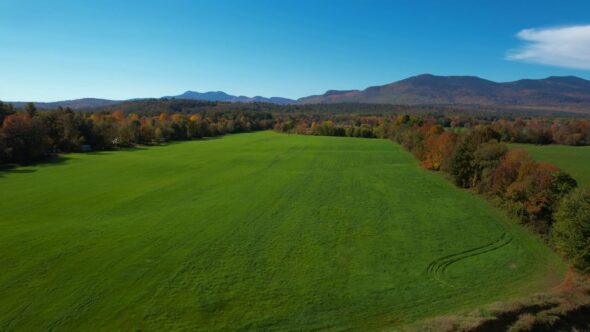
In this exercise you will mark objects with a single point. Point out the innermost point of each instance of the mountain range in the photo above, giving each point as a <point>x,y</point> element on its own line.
<point>222,96</point>
<point>73,104</point>
<point>466,90</point>
<point>423,89</point>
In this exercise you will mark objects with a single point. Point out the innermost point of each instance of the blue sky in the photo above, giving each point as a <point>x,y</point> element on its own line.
<point>54,50</point>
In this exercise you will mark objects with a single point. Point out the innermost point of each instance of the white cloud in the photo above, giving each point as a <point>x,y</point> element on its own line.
<point>562,47</point>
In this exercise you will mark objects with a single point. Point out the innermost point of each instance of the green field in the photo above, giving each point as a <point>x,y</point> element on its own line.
<point>252,231</point>
<point>575,160</point>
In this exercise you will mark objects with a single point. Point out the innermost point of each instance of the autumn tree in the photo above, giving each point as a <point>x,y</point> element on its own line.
<point>118,116</point>
<point>5,110</point>
<point>529,190</point>
<point>24,138</point>
<point>146,131</point>
<point>438,150</point>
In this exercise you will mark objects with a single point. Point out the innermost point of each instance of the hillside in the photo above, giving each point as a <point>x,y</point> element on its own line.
<point>466,90</point>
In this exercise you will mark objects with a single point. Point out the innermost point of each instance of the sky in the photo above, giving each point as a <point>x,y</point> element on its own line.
<point>60,49</point>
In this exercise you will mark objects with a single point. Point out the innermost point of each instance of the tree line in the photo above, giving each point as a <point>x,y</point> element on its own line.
<point>30,135</point>
<point>537,194</point>
<point>562,131</point>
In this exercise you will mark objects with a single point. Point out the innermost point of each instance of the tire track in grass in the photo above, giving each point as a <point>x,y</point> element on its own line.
<point>437,268</point>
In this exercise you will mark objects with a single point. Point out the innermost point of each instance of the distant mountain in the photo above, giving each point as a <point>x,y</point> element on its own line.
<point>87,103</point>
<point>554,91</point>
<point>222,96</point>
<point>73,104</point>
<point>465,90</point>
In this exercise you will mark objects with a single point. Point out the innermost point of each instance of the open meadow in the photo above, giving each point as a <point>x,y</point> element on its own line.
<point>253,231</point>
<point>575,160</point>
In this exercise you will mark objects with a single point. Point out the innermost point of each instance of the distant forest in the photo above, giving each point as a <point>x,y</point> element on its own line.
<point>29,135</point>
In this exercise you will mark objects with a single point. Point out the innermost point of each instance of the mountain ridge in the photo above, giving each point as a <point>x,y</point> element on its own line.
<point>424,89</point>
<point>428,89</point>
<point>222,96</point>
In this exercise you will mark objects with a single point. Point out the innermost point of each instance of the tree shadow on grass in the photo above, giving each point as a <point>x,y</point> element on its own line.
<point>169,143</point>
<point>134,148</point>
<point>24,169</point>
<point>16,171</point>
<point>63,158</point>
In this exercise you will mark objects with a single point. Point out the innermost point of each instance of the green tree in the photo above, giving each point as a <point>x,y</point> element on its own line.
<point>462,169</point>
<point>464,166</point>
<point>486,159</point>
<point>63,129</point>
<point>31,109</point>
<point>571,231</point>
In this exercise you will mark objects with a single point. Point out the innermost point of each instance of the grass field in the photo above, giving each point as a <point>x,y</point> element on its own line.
<point>252,231</point>
<point>573,159</point>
